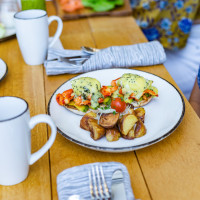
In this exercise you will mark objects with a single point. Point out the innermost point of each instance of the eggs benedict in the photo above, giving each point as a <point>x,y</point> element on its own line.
<point>87,94</point>
<point>84,95</point>
<point>134,89</point>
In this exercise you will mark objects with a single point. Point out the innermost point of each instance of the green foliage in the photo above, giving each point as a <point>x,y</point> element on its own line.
<point>102,5</point>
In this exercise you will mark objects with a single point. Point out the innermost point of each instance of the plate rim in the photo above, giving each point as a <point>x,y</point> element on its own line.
<point>6,72</point>
<point>7,37</point>
<point>121,149</point>
<point>13,35</point>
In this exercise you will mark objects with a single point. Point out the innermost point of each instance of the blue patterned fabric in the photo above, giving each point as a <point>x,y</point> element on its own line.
<point>75,180</point>
<point>198,78</point>
<point>166,20</point>
<point>143,54</point>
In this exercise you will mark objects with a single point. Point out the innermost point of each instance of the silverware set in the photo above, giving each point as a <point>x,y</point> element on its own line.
<point>98,186</point>
<point>73,60</point>
<point>77,60</point>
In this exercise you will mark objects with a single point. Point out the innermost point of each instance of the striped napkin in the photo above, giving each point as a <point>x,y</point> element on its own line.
<point>75,180</point>
<point>143,54</point>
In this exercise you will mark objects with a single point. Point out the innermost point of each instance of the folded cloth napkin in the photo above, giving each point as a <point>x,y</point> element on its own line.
<point>75,180</point>
<point>143,54</point>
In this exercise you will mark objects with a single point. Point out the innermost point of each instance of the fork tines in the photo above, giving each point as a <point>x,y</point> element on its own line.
<point>98,186</point>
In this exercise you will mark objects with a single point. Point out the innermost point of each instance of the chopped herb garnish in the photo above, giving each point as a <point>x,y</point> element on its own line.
<point>147,95</point>
<point>106,107</point>
<point>114,112</point>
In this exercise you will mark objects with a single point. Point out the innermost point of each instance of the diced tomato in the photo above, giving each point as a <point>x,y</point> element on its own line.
<point>60,99</point>
<point>113,82</point>
<point>151,92</point>
<point>132,96</point>
<point>120,91</point>
<point>118,105</point>
<point>100,100</point>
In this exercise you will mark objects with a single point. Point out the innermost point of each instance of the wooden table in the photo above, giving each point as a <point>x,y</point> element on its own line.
<point>166,170</point>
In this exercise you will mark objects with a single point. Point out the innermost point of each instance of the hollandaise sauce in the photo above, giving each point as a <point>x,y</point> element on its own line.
<point>85,87</point>
<point>133,84</point>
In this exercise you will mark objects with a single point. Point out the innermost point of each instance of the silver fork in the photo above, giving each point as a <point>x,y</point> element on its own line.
<point>98,186</point>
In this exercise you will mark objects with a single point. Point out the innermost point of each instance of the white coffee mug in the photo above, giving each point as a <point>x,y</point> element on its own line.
<point>15,139</point>
<point>33,34</point>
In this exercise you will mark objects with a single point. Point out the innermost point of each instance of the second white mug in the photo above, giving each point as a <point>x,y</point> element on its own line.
<point>15,139</point>
<point>33,34</point>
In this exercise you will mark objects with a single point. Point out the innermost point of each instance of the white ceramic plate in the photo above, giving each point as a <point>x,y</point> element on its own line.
<point>10,33</point>
<point>163,114</point>
<point>3,69</point>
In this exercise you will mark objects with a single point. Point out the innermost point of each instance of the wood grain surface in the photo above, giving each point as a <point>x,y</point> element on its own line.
<point>27,82</point>
<point>163,171</point>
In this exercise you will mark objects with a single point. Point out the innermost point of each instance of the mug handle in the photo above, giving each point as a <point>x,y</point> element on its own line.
<point>58,31</point>
<point>42,118</point>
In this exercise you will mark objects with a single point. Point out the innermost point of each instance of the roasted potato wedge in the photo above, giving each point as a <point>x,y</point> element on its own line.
<point>140,113</point>
<point>128,126</point>
<point>126,123</point>
<point>95,129</point>
<point>109,120</point>
<point>84,121</point>
<point>130,135</point>
<point>112,134</point>
<point>140,129</point>
<point>131,111</point>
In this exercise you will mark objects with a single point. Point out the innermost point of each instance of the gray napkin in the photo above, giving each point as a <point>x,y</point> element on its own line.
<point>75,180</point>
<point>143,54</point>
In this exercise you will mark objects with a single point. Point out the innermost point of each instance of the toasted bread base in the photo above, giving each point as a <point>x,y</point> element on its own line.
<point>136,104</point>
<point>78,112</point>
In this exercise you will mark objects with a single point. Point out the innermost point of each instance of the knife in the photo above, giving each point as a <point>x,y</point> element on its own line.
<point>117,189</point>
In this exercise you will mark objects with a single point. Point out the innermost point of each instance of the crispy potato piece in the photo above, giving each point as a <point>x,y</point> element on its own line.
<point>112,134</point>
<point>140,113</point>
<point>126,123</point>
<point>130,135</point>
<point>95,129</point>
<point>140,129</point>
<point>84,121</point>
<point>109,120</point>
<point>131,111</point>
